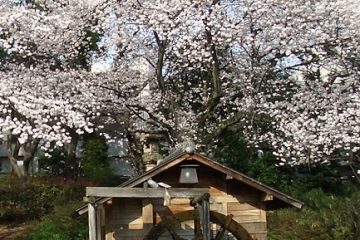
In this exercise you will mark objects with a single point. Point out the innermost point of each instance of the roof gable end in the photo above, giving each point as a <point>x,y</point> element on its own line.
<point>163,166</point>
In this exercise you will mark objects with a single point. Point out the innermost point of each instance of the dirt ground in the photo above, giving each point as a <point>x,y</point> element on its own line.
<point>19,231</point>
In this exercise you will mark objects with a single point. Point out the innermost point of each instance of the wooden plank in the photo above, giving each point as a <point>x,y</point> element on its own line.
<point>262,211</point>
<point>125,213</point>
<point>234,198</point>
<point>241,219</point>
<point>157,202</point>
<point>127,220</point>
<point>180,201</point>
<point>236,206</point>
<point>255,212</point>
<point>144,192</point>
<point>147,215</point>
<point>134,233</point>
<point>180,208</point>
<point>127,227</point>
<point>147,211</point>
<point>216,191</point>
<point>173,209</point>
<point>218,207</point>
<point>245,212</point>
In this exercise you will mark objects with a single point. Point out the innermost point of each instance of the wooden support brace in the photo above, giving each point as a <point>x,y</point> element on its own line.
<point>147,214</point>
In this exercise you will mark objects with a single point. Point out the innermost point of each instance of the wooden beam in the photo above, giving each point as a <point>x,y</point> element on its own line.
<point>144,192</point>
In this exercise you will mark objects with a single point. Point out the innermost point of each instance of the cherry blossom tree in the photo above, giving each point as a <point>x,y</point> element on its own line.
<point>318,121</point>
<point>249,66</point>
<point>285,73</point>
<point>47,53</point>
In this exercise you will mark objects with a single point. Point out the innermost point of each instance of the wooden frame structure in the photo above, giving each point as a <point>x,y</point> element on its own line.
<point>199,196</point>
<point>222,201</point>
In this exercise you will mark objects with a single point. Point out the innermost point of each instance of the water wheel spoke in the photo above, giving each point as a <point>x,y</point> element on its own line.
<point>172,221</point>
<point>220,234</point>
<point>226,223</point>
<point>223,228</point>
<point>172,232</point>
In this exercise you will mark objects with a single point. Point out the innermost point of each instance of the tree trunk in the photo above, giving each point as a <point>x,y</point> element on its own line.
<point>13,148</point>
<point>16,169</point>
<point>70,148</point>
<point>71,160</point>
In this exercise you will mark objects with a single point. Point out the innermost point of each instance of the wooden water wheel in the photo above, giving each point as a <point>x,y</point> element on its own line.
<point>202,217</point>
<point>226,223</point>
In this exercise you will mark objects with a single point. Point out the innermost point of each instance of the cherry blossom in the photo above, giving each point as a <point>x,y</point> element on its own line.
<point>284,73</point>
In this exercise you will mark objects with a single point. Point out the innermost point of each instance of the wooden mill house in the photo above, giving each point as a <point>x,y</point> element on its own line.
<point>187,196</point>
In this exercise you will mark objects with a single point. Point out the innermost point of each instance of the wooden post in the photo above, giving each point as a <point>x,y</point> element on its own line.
<point>103,222</point>
<point>99,210</point>
<point>203,207</point>
<point>92,221</point>
<point>205,218</point>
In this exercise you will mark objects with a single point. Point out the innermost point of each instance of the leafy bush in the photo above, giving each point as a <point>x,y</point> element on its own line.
<point>21,200</point>
<point>325,216</point>
<point>61,226</point>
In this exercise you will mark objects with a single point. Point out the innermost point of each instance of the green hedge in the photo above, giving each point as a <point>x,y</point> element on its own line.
<point>325,216</point>
<point>21,201</point>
